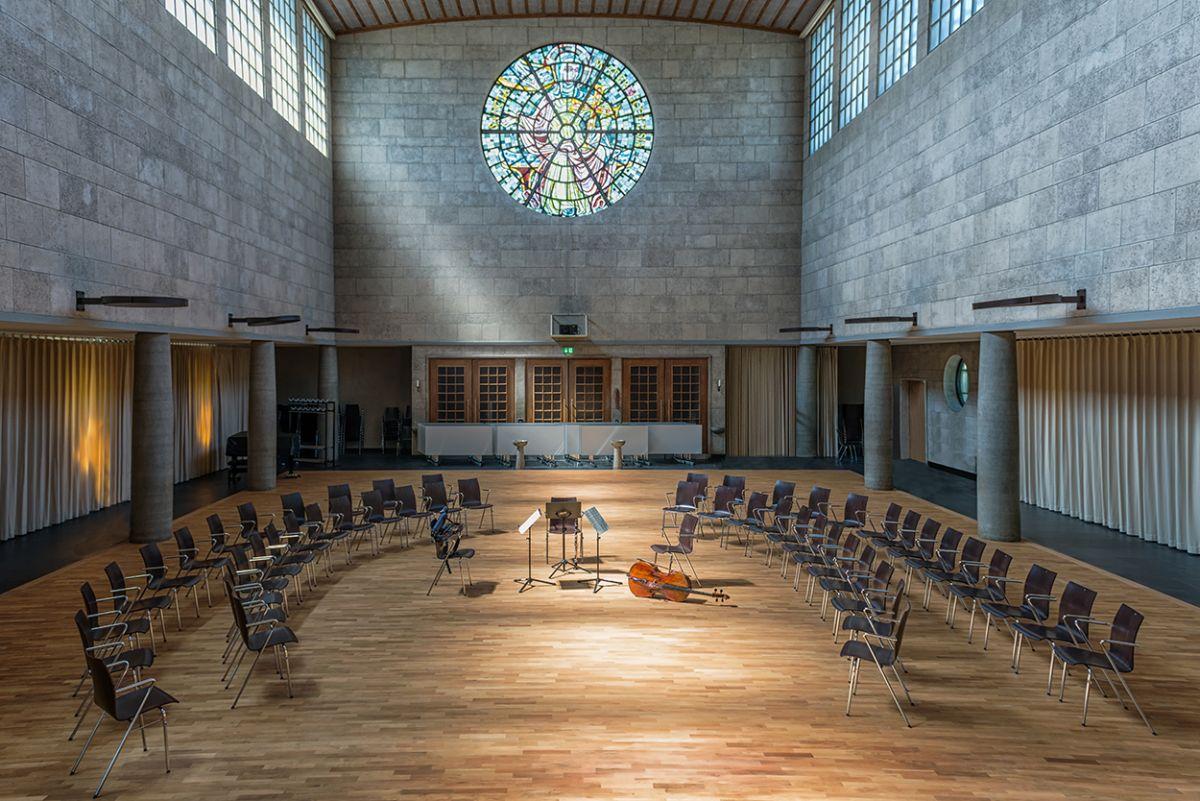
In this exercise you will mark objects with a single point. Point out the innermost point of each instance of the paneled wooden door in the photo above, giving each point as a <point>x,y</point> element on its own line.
<point>567,390</point>
<point>665,391</point>
<point>472,391</point>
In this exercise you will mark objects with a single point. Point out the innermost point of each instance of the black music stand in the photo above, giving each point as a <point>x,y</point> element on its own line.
<point>527,529</point>
<point>564,512</point>
<point>600,526</point>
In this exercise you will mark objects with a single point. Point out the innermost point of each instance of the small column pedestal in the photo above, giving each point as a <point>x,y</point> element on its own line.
<point>520,444</point>
<point>618,455</point>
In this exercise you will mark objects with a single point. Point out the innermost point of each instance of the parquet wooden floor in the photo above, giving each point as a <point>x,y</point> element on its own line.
<point>562,694</point>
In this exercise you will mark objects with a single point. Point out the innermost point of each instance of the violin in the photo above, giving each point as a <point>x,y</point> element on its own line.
<point>650,581</point>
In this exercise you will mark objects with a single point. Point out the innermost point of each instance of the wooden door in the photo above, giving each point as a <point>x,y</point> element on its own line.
<point>451,395</point>
<point>588,390</point>
<point>641,392</point>
<point>567,390</point>
<point>545,390</point>
<point>914,395</point>
<point>495,398</point>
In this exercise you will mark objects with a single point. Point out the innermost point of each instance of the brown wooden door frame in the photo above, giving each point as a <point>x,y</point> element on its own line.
<point>568,368</point>
<point>470,386</point>
<point>665,387</point>
<point>627,366</point>
<point>511,365</point>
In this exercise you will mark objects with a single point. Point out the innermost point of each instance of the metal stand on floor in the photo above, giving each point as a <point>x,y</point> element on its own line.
<point>600,527</point>
<point>565,512</point>
<point>527,529</point>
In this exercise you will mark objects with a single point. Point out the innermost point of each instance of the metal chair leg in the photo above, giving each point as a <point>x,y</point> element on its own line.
<point>246,680</point>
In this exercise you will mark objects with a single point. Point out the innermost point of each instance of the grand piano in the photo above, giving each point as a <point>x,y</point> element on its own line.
<point>287,451</point>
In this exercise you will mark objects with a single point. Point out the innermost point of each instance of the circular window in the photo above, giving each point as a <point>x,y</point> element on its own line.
<point>957,382</point>
<point>567,130</point>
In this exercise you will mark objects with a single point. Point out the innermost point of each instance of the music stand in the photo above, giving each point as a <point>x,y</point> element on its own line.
<point>600,527</point>
<point>527,529</point>
<point>564,512</point>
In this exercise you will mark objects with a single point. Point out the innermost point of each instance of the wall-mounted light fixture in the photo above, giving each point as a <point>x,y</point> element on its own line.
<point>902,318</point>
<point>719,384</point>
<point>804,329</point>
<point>1079,299</point>
<point>418,385</point>
<point>328,329</point>
<point>278,319</point>
<point>82,301</point>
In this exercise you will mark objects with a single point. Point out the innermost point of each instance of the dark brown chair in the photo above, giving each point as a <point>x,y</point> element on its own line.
<point>293,502</point>
<point>721,512</point>
<point>1074,614</point>
<point>683,546</point>
<point>124,702</point>
<point>473,499</point>
<point>818,501</point>
<point>854,513</point>
<point>965,571</point>
<point>989,588</point>
<point>131,599</point>
<point>882,650</point>
<point>738,483</point>
<point>1112,658</point>
<point>1035,605</point>
<point>256,637</point>
<point>701,482</point>
<point>189,561</point>
<point>683,502</point>
<point>756,503</point>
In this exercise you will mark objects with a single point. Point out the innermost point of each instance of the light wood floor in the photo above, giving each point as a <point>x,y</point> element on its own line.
<point>562,694</point>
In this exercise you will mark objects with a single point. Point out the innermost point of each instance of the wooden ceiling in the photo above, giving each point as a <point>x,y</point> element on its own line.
<point>353,16</point>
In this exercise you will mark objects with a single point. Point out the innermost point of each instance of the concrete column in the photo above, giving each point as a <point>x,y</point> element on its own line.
<point>806,401</point>
<point>877,417</point>
<point>998,449</point>
<point>152,462</point>
<point>260,470</point>
<point>327,389</point>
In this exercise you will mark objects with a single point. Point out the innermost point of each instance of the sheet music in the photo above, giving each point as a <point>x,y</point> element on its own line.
<point>593,516</point>
<point>529,521</point>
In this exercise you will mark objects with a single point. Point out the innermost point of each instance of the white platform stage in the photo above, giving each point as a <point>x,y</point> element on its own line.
<point>558,439</point>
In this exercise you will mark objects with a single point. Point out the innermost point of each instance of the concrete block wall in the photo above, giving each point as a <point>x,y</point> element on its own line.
<point>1044,147</point>
<point>134,161</point>
<point>950,436</point>
<point>705,248</point>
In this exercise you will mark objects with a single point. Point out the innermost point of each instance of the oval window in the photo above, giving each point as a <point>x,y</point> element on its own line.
<point>957,382</point>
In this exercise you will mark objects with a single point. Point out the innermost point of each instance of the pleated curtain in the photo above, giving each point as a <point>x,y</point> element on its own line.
<point>1110,432</point>
<point>65,413</point>
<point>760,401</point>
<point>211,389</point>
<point>827,402</point>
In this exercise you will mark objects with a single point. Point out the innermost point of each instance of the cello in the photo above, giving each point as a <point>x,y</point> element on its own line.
<point>650,581</point>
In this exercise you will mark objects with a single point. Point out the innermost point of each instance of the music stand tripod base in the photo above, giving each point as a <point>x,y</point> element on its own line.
<point>529,581</point>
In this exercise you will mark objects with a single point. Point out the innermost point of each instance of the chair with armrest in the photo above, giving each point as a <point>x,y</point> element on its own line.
<point>721,511</point>
<point>754,506</point>
<point>882,650</point>
<point>701,482</point>
<point>1035,605</point>
<point>775,529</point>
<point>189,561</point>
<point>738,483</point>
<point>257,636</point>
<point>1111,657</point>
<point>293,502</point>
<point>474,499</point>
<point>142,603</point>
<point>160,579</point>
<point>1071,627</point>
<point>344,514</point>
<point>889,527</point>
<point>685,543</point>
<point>447,534</point>
<point>683,502</point>
<point>110,643</point>
<point>965,571</point>
<point>905,543</point>
<point>990,587</point>
<point>124,703</point>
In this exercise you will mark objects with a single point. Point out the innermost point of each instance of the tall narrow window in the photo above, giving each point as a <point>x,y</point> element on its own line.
<point>243,34</point>
<point>316,124</point>
<point>285,96</point>
<point>947,16</point>
<point>198,17</point>
<point>820,84</point>
<point>897,40</point>
<point>855,66</point>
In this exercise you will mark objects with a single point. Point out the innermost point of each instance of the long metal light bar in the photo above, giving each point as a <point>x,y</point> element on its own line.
<point>82,301</point>
<point>279,319</point>
<point>911,319</point>
<point>800,329</point>
<point>1079,299</point>
<point>328,329</point>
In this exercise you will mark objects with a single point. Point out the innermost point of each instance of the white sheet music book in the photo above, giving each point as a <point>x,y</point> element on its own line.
<point>529,521</point>
<point>593,516</point>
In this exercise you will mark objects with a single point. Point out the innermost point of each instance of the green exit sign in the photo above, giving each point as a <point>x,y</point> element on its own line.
<point>568,350</point>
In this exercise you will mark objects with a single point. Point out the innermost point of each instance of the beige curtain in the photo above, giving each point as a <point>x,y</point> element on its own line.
<point>1110,432</point>
<point>64,428</point>
<point>233,393</point>
<point>211,386</point>
<point>760,401</point>
<point>827,402</point>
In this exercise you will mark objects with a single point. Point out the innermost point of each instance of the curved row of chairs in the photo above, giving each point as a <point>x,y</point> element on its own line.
<point>262,570</point>
<point>865,566</point>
